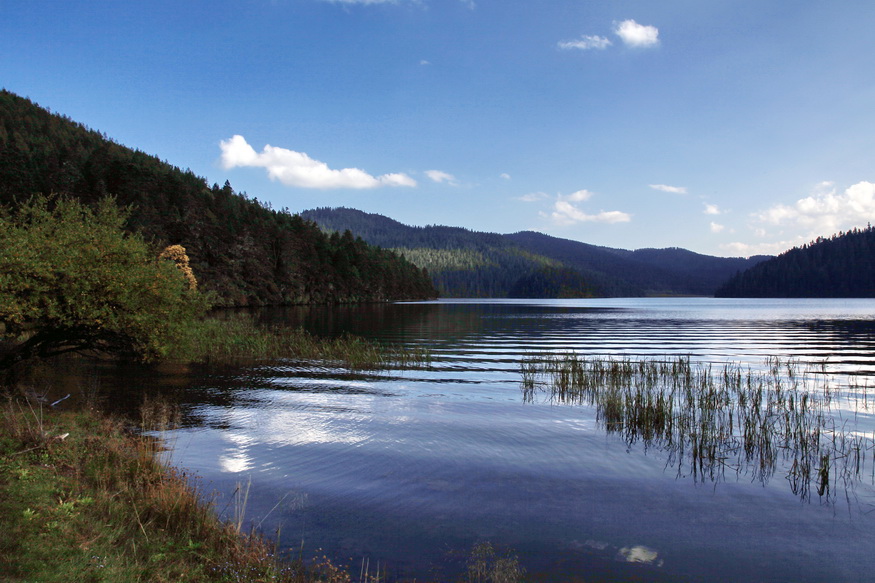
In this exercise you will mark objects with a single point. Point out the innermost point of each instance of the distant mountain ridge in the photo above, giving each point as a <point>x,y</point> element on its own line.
<point>466,263</point>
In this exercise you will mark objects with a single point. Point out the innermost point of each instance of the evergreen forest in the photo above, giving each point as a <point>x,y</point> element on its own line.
<point>841,266</point>
<point>241,249</point>
<point>466,263</point>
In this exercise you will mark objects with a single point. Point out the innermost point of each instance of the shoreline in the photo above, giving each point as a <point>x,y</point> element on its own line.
<point>85,498</point>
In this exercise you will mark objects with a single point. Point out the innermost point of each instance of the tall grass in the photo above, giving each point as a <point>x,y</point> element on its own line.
<point>239,337</point>
<point>717,419</point>
<point>85,499</point>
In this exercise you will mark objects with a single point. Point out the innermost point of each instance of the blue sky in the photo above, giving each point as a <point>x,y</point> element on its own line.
<point>727,128</point>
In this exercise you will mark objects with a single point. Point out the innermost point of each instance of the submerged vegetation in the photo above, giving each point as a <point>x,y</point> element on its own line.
<point>725,420</point>
<point>488,565</point>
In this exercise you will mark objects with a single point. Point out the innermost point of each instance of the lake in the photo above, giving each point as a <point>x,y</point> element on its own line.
<point>411,468</point>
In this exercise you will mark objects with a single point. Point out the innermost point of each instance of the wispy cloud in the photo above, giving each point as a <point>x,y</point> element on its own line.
<point>298,169</point>
<point>586,43</point>
<point>630,32</point>
<point>717,227</point>
<point>440,176</point>
<point>712,209</point>
<point>566,212</point>
<point>533,196</point>
<point>505,175</point>
<point>667,188</point>
<point>636,35</point>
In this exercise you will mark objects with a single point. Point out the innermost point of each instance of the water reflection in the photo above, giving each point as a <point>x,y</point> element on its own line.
<point>414,467</point>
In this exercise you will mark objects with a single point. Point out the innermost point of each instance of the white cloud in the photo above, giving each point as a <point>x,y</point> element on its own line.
<point>423,62</point>
<point>712,209</point>
<point>396,179</point>
<point>505,175</point>
<point>439,176</point>
<point>716,227</point>
<point>826,212</point>
<point>636,35</point>
<point>586,43</point>
<point>565,212</point>
<point>533,197</point>
<point>823,213</point>
<point>667,188</point>
<point>579,196</point>
<point>298,169</point>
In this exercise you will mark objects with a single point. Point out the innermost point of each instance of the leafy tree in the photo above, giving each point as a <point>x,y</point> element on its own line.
<point>71,279</point>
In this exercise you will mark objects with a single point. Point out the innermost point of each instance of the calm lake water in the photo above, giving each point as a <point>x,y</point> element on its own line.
<point>411,468</point>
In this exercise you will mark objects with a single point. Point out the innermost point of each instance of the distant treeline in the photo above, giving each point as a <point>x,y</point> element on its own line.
<point>465,263</point>
<point>841,266</point>
<point>240,248</point>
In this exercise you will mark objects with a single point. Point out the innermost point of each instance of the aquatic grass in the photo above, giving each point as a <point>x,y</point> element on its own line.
<point>238,337</point>
<point>717,418</point>
<point>487,565</point>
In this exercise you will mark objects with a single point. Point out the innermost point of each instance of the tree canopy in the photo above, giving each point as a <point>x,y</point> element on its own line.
<point>72,279</point>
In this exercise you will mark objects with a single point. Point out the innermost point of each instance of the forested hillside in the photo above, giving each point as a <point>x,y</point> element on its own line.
<point>644,272</point>
<point>842,266</point>
<point>240,248</point>
<point>470,264</point>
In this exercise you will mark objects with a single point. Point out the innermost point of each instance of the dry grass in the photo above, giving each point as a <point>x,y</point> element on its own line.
<point>83,498</point>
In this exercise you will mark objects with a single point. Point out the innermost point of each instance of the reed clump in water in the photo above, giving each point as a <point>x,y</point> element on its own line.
<point>239,337</point>
<point>713,420</point>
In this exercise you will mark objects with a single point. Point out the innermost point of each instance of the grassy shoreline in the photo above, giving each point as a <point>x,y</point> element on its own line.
<point>85,499</point>
<point>84,495</point>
